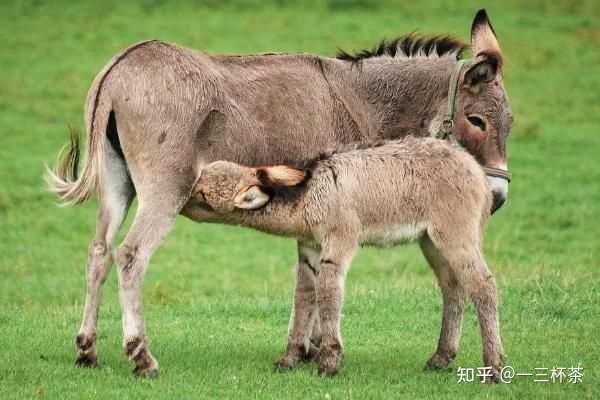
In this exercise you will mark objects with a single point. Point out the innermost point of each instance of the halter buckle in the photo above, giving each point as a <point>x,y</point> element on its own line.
<point>445,128</point>
<point>447,124</point>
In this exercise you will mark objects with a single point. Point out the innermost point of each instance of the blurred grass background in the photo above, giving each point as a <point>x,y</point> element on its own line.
<point>218,298</point>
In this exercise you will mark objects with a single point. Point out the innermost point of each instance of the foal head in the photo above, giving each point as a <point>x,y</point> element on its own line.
<point>226,186</point>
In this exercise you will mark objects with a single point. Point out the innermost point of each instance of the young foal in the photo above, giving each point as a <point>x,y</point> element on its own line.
<point>412,189</point>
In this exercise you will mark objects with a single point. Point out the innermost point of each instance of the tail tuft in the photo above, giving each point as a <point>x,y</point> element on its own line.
<point>64,179</point>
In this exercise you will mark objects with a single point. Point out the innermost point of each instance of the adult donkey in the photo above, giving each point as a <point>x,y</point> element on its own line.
<point>157,113</point>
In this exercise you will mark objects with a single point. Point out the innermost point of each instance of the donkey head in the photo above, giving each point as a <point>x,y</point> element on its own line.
<point>483,115</point>
<point>225,185</point>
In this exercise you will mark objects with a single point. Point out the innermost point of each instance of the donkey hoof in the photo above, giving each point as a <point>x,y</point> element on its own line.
<point>86,361</point>
<point>146,373</point>
<point>83,342</point>
<point>283,366</point>
<point>286,363</point>
<point>439,362</point>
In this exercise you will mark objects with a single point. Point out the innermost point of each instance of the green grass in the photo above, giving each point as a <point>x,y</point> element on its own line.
<point>218,298</point>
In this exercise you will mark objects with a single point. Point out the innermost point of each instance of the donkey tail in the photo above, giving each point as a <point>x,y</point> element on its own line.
<point>64,179</point>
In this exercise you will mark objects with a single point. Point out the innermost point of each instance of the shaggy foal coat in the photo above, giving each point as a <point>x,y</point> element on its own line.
<point>399,191</point>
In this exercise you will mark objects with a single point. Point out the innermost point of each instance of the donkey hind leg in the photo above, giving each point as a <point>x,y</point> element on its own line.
<point>472,272</point>
<point>301,346</point>
<point>155,216</point>
<point>116,194</point>
<point>453,295</point>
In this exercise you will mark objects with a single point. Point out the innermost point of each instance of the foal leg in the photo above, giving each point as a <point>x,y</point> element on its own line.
<point>116,193</point>
<point>482,288</point>
<point>336,257</point>
<point>471,271</point>
<point>304,312</point>
<point>453,294</point>
<point>315,337</point>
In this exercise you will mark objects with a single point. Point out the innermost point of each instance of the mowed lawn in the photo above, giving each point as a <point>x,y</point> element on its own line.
<point>218,298</point>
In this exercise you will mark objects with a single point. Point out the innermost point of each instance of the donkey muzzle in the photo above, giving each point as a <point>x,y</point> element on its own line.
<point>499,188</point>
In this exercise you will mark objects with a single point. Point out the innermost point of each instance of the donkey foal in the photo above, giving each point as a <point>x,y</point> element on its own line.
<point>394,192</point>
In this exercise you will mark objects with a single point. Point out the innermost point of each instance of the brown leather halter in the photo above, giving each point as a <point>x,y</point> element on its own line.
<point>445,131</point>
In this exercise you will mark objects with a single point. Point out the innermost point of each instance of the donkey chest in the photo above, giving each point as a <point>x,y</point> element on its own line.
<point>393,235</point>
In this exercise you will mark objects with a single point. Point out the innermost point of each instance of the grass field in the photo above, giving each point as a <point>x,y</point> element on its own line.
<point>218,298</point>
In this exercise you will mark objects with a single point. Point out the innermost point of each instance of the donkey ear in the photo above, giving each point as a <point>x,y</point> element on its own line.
<point>483,71</point>
<point>251,198</point>
<point>483,38</point>
<point>486,51</point>
<point>280,175</point>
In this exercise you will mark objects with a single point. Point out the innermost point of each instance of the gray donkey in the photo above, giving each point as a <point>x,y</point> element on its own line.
<point>158,113</point>
<point>410,189</point>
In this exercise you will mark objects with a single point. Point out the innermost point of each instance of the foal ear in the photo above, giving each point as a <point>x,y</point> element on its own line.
<point>280,175</point>
<point>251,198</point>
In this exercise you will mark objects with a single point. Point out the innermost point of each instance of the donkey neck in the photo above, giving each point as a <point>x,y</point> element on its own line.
<point>404,95</point>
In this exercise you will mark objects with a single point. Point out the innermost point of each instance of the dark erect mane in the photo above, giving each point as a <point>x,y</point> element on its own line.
<point>411,45</point>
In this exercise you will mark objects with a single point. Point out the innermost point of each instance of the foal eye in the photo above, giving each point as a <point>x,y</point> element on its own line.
<point>477,121</point>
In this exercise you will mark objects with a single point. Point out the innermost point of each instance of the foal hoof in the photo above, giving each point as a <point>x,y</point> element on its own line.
<point>330,360</point>
<point>327,372</point>
<point>146,373</point>
<point>311,355</point>
<point>86,361</point>
<point>495,378</point>
<point>296,354</point>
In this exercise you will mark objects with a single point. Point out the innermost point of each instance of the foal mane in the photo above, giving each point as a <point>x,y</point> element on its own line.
<point>410,46</point>
<point>310,164</point>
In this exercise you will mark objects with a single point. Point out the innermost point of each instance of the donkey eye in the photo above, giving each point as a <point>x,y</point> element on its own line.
<point>477,121</point>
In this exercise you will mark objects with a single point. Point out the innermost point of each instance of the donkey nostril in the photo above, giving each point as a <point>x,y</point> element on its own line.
<point>498,201</point>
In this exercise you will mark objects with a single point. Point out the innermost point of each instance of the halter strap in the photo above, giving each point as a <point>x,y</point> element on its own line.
<point>448,122</point>
<point>497,173</point>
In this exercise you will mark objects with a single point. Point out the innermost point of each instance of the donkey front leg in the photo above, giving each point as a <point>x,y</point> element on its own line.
<point>336,257</point>
<point>150,226</point>
<point>304,318</point>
